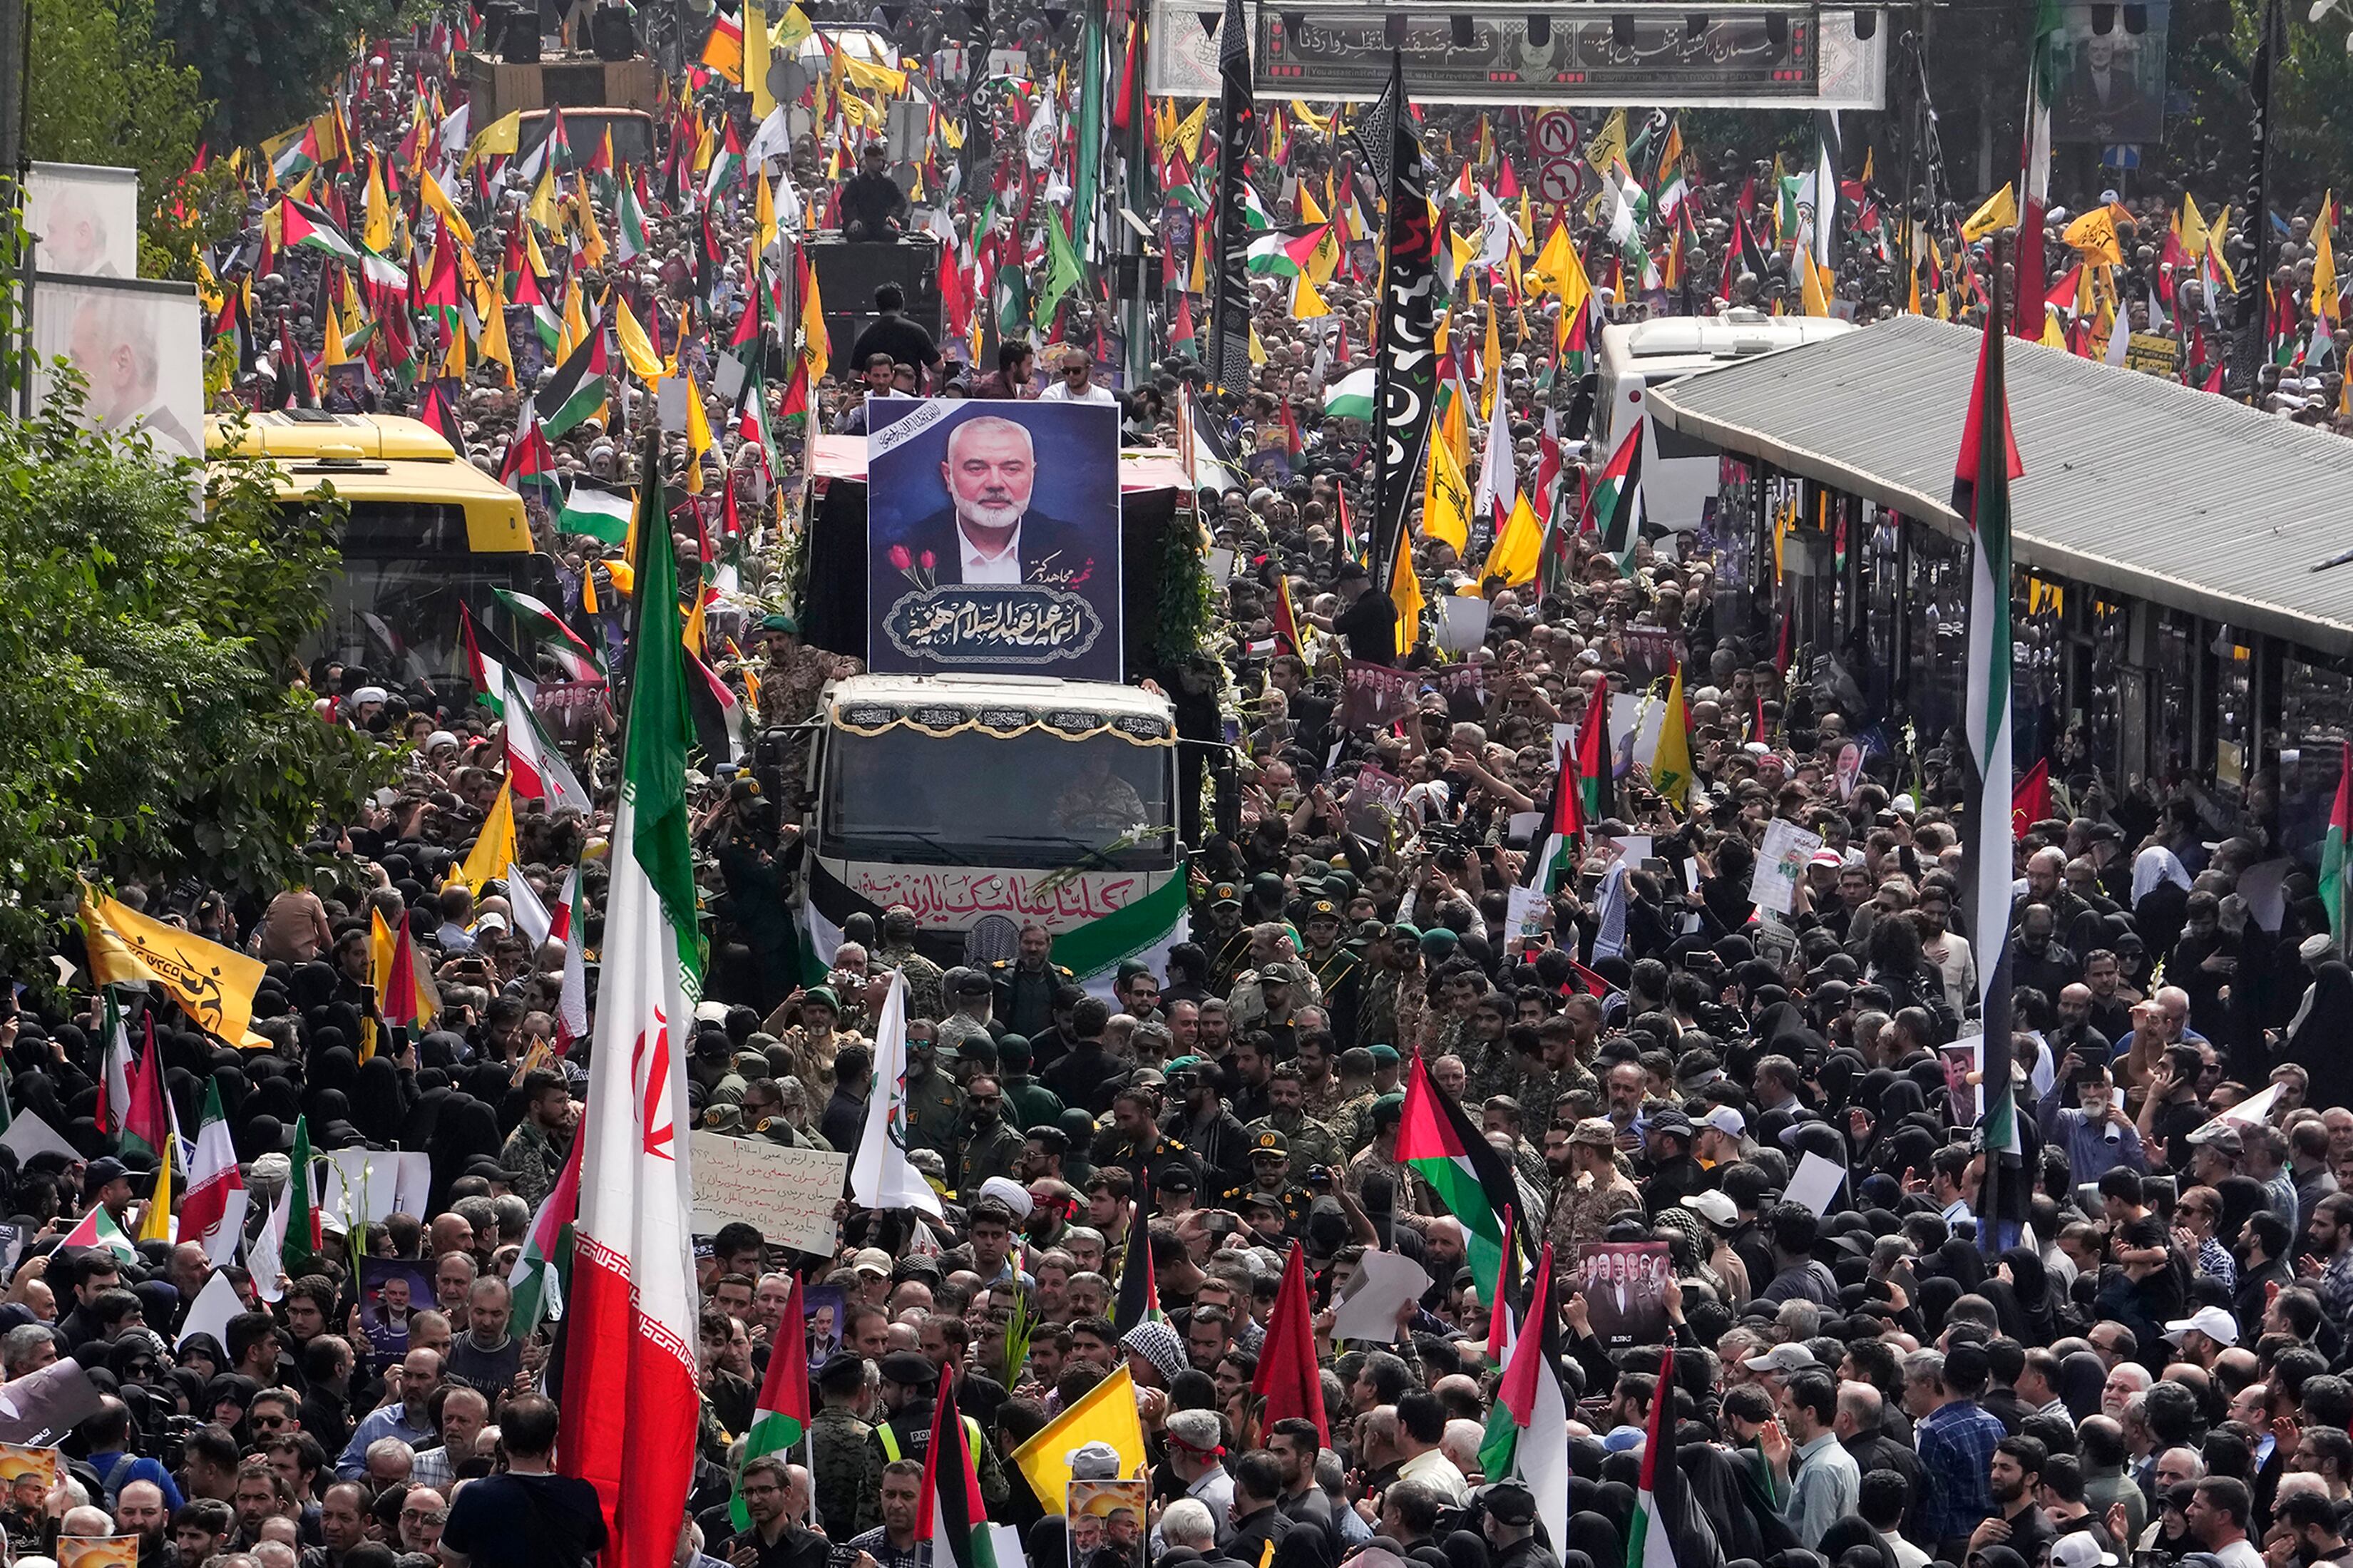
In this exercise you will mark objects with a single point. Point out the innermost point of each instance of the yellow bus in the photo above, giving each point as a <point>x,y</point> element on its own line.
<point>426,532</point>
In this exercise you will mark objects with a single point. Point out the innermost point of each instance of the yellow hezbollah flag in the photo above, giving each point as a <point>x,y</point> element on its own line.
<point>2094,235</point>
<point>635,347</point>
<point>1514,555</point>
<point>494,846</point>
<point>2000,211</point>
<point>155,1221</point>
<point>429,190</point>
<point>212,983</point>
<point>1405,591</point>
<point>1445,499</point>
<point>756,38</point>
<point>1671,772</point>
<point>1106,1415</point>
<point>501,135</point>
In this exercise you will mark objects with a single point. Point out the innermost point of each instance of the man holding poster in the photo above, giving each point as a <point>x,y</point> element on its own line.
<point>994,539</point>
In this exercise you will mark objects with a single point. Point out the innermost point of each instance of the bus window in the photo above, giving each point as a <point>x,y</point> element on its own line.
<point>904,796</point>
<point>376,529</point>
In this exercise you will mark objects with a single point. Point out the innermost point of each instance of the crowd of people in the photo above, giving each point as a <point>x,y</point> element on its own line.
<point>2121,1337</point>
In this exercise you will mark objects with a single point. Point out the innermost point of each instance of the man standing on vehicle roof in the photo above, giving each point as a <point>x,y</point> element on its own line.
<point>791,674</point>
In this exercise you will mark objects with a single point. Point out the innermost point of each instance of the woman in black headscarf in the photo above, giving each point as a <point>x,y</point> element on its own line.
<point>2082,1375</point>
<point>2320,1037</point>
<point>1593,1535</point>
<point>333,1070</point>
<point>379,1101</point>
<point>2021,1293</point>
<point>466,1129</point>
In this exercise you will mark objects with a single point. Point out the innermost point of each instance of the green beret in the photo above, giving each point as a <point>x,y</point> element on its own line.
<point>779,623</point>
<point>1386,1056</point>
<point>822,993</point>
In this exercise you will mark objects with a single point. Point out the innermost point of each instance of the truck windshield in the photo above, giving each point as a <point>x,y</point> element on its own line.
<point>1033,801</point>
<point>584,132</point>
<point>393,608</point>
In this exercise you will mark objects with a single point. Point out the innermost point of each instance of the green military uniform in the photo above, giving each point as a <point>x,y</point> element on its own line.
<point>927,998</point>
<point>935,1113</point>
<point>1028,1103</point>
<point>1351,1121</point>
<point>1321,1101</point>
<point>1113,1148</point>
<point>1229,953</point>
<point>1491,1069</point>
<point>1024,998</point>
<point>1338,975</point>
<point>987,1154</point>
<point>1311,1142</point>
<point>838,1444</point>
<point>1270,1179</point>
<point>533,1162</point>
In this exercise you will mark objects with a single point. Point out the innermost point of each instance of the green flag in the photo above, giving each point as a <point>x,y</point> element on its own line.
<point>660,723</point>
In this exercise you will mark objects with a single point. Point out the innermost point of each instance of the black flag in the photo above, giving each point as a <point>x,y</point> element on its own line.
<point>1406,372</point>
<point>1229,322</point>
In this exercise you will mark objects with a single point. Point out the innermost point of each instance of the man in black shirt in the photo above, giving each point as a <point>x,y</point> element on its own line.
<point>776,1538</point>
<point>528,1517</point>
<point>906,342</point>
<point>1369,622</point>
<point>872,205</point>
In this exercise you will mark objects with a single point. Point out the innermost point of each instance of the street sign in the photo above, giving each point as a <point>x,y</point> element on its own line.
<point>1554,136</point>
<point>1557,180</point>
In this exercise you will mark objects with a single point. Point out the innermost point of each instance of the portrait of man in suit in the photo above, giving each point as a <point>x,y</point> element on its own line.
<point>991,530</point>
<point>2106,95</point>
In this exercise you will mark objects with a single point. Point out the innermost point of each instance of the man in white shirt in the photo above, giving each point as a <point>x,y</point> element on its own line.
<point>1076,382</point>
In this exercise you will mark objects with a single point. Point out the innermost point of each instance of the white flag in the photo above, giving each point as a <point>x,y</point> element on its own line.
<point>881,1178</point>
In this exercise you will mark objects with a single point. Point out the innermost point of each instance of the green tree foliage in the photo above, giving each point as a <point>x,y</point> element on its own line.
<point>145,657</point>
<point>266,65</point>
<point>106,89</point>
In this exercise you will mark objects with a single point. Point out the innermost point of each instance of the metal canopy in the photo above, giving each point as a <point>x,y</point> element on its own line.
<point>2133,483</point>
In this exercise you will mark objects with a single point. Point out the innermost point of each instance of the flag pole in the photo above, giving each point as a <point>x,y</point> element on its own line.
<point>1994,1092</point>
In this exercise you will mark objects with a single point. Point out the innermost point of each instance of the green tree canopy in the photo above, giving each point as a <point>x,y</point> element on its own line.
<point>266,65</point>
<point>147,649</point>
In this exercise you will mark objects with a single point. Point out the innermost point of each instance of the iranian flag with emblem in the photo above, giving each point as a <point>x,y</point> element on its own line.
<point>630,1394</point>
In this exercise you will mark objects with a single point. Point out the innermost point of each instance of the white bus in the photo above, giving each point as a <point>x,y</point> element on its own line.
<point>1678,472</point>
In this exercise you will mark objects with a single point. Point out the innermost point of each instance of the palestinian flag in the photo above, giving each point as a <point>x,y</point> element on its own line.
<point>633,240</point>
<point>1531,1408</point>
<point>1269,257</point>
<point>580,387</point>
<point>1614,509</point>
<point>543,623</point>
<point>540,1270</point>
<point>599,513</point>
<point>1351,397</point>
<point>2333,863</point>
<point>146,1126</point>
<point>1445,1148</point>
<point>1596,769</point>
<point>1139,1296</point>
<point>305,227</point>
<point>294,154</point>
<point>531,465</point>
<point>782,1417</point>
<point>950,1514</point>
<point>1660,1498</point>
<point>98,1229</point>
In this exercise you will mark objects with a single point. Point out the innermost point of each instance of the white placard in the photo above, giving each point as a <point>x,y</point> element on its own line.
<point>1635,847</point>
<point>1523,915</point>
<point>1385,1282</point>
<point>1816,1183</point>
<point>29,1135</point>
<point>1780,861</point>
<point>210,1313</point>
<point>372,1183</point>
<point>789,1193</point>
<point>1462,622</point>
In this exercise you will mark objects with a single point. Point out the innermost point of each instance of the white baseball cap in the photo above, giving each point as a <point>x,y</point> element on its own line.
<point>2213,1322</point>
<point>2077,1549</point>
<point>1727,1121</point>
<point>1714,1208</point>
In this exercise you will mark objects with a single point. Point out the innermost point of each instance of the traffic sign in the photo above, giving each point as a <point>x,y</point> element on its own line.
<point>1558,180</point>
<point>1554,136</point>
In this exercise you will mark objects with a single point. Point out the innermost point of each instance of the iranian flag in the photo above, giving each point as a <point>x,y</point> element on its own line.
<point>630,1403</point>
<point>782,1417</point>
<point>631,239</point>
<point>98,1229</point>
<point>1648,1542</point>
<point>540,1270</point>
<point>580,660</point>
<point>305,1238</point>
<point>1530,1409</point>
<point>1443,1147</point>
<point>2034,174</point>
<point>114,1069</point>
<point>213,1210</point>
<point>2332,854</point>
<point>950,1514</point>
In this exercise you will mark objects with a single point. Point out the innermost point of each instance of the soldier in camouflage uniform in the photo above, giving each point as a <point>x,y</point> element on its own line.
<point>816,1040</point>
<point>1310,1143</point>
<point>1270,1179</point>
<point>1379,1156</point>
<point>1391,1010</point>
<point>925,996</point>
<point>837,1443</point>
<point>1594,1194</point>
<point>1320,1089</point>
<point>1224,937</point>
<point>790,675</point>
<point>1487,1050</point>
<point>992,1145</point>
<point>1350,1119</point>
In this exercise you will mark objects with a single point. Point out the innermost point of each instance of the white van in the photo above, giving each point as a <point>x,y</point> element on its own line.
<point>1678,472</point>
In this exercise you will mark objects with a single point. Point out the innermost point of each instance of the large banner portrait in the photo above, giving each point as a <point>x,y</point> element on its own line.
<point>2111,84</point>
<point>139,346</point>
<point>84,219</point>
<point>1625,1286</point>
<point>993,538</point>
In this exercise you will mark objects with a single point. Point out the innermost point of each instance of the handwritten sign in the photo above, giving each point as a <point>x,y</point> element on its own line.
<point>2157,353</point>
<point>788,1194</point>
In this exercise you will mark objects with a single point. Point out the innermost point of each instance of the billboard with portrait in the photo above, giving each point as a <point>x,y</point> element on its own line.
<point>1625,1286</point>
<point>84,219</point>
<point>137,343</point>
<point>2111,84</point>
<point>993,538</point>
<point>1107,1523</point>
